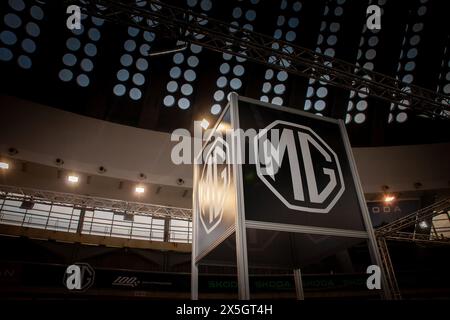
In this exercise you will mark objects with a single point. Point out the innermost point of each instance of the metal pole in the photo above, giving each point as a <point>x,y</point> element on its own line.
<point>389,269</point>
<point>373,246</point>
<point>298,284</point>
<point>242,260</point>
<point>81,220</point>
<point>166,229</point>
<point>241,236</point>
<point>1,208</point>
<point>194,267</point>
<point>194,281</point>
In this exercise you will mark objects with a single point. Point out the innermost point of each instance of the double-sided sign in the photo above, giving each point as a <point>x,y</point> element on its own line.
<point>214,194</point>
<point>214,186</point>
<point>284,170</point>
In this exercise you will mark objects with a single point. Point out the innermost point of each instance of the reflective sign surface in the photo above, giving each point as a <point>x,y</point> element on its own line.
<point>302,174</point>
<point>215,198</point>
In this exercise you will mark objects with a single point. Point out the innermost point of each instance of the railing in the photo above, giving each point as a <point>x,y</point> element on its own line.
<point>99,203</point>
<point>22,210</point>
<point>441,226</point>
<point>438,213</point>
<point>437,208</point>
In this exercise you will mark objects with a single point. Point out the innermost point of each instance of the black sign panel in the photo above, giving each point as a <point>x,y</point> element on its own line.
<point>215,196</point>
<point>302,175</point>
<point>382,213</point>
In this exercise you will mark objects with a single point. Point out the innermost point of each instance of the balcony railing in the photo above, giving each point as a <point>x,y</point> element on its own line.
<point>20,209</point>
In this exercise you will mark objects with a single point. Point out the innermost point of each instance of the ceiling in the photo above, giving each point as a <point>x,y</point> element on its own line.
<point>41,177</point>
<point>104,71</point>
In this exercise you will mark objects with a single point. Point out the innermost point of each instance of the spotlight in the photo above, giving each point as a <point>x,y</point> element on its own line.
<point>389,198</point>
<point>128,217</point>
<point>59,161</point>
<point>139,189</point>
<point>4,165</point>
<point>142,176</point>
<point>12,151</point>
<point>204,124</point>
<point>423,224</point>
<point>73,179</point>
<point>27,204</point>
<point>101,169</point>
<point>223,127</point>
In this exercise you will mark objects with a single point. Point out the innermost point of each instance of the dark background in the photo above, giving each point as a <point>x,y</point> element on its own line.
<point>41,83</point>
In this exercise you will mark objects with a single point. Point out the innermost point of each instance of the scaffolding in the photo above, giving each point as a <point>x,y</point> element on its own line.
<point>393,231</point>
<point>89,202</point>
<point>86,215</point>
<point>187,26</point>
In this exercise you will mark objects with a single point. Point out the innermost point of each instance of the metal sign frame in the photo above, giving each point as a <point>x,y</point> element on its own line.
<point>197,256</point>
<point>242,224</point>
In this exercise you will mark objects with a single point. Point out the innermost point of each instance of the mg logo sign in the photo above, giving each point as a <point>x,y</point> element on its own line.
<point>214,184</point>
<point>298,167</point>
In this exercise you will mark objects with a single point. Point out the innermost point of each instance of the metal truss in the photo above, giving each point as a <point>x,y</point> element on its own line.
<point>429,212</point>
<point>392,231</point>
<point>88,202</point>
<point>191,27</point>
<point>424,238</point>
<point>389,270</point>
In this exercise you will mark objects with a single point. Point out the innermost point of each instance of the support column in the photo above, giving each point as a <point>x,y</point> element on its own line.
<point>81,220</point>
<point>298,284</point>
<point>166,229</point>
<point>194,281</point>
<point>388,267</point>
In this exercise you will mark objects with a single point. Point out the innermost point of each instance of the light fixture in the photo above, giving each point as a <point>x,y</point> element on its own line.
<point>4,165</point>
<point>223,127</point>
<point>128,216</point>
<point>27,204</point>
<point>204,124</point>
<point>139,189</point>
<point>12,151</point>
<point>73,179</point>
<point>423,224</point>
<point>388,198</point>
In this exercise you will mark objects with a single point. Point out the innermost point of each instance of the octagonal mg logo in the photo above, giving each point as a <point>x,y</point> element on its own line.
<point>214,184</point>
<point>299,167</point>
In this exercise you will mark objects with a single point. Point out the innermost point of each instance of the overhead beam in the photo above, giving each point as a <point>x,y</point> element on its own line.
<point>89,202</point>
<point>429,212</point>
<point>418,238</point>
<point>189,26</point>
